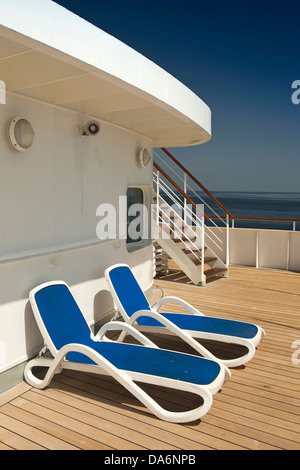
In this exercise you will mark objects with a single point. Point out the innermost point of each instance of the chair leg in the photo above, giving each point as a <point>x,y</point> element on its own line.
<point>53,365</point>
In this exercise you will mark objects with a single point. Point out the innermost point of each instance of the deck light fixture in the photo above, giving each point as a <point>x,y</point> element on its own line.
<point>20,134</point>
<point>144,157</point>
<point>90,128</point>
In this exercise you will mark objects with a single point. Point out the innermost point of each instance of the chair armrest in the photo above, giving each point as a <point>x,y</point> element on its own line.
<point>159,318</point>
<point>125,327</point>
<point>176,300</point>
<point>148,313</point>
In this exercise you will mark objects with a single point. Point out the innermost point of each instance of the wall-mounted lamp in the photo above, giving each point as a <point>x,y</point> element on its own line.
<point>144,157</point>
<point>20,134</point>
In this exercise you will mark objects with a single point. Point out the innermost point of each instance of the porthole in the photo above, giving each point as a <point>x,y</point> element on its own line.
<point>20,134</point>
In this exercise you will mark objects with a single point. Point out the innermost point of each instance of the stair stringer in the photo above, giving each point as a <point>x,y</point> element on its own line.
<point>216,261</point>
<point>182,260</point>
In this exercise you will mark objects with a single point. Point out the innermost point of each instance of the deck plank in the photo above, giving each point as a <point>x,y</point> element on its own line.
<point>259,408</point>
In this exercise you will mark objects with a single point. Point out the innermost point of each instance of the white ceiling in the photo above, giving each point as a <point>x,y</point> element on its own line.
<point>51,76</point>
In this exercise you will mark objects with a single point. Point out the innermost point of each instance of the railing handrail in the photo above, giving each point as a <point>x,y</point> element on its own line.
<point>231,216</point>
<point>180,190</point>
<point>188,187</point>
<point>197,182</point>
<point>274,219</point>
<point>266,218</point>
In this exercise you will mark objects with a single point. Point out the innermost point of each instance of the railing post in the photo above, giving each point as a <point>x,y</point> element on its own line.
<point>202,249</point>
<point>256,249</point>
<point>294,226</point>
<point>227,240</point>
<point>184,202</point>
<point>157,198</point>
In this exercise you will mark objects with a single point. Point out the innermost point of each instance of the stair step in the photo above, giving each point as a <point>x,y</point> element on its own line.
<point>184,239</point>
<point>214,271</point>
<point>210,259</point>
<point>207,259</point>
<point>187,251</point>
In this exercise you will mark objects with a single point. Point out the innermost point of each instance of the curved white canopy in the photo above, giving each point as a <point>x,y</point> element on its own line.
<point>52,55</point>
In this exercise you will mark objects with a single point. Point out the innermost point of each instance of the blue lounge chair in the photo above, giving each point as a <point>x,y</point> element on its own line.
<point>73,346</point>
<point>135,310</point>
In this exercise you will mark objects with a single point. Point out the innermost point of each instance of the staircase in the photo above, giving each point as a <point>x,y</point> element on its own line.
<point>186,226</point>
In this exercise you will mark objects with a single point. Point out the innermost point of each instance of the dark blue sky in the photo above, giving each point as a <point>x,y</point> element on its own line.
<point>241,58</point>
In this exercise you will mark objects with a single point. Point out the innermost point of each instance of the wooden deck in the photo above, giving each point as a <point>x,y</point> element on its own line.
<point>257,409</point>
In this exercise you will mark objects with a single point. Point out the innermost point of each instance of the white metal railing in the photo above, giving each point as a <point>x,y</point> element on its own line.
<point>217,217</point>
<point>188,187</point>
<point>190,212</point>
<point>180,229</point>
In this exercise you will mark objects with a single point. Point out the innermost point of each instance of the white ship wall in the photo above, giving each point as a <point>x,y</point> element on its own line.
<point>278,249</point>
<point>49,197</point>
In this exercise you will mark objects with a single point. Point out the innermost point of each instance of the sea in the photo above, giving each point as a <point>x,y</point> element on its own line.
<point>261,204</point>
